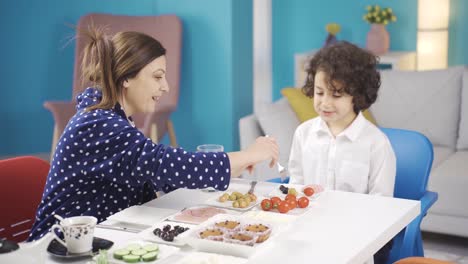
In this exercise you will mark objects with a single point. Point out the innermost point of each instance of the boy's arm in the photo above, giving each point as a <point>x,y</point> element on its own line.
<point>382,170</point>
<point>295,169</point>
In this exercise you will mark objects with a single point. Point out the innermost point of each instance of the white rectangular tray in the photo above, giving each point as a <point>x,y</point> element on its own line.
<point>228,248</point>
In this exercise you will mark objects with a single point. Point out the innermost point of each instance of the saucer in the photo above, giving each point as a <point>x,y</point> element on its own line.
<point>8,246</point>
<point>56,249</point>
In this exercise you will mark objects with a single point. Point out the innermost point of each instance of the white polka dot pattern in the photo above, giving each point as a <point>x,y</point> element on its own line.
<point>102,165</point>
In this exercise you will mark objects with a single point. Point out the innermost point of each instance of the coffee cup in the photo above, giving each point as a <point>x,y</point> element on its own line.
<point>78,233</point>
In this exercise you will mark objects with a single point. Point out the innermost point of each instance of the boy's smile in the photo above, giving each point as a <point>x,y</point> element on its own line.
<point>334,107</point>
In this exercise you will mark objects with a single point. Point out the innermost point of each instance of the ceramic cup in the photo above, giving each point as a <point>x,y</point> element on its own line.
<point>78,232</point>
<point>210,148</point>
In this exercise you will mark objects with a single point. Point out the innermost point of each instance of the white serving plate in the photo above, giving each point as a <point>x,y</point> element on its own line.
<point>299,188</point>
<point>220,247</point>
<point>148,234</point>
<point>142,215</point>
<point>228,204</point>
<point>199,221</point>
<point>164,251</point>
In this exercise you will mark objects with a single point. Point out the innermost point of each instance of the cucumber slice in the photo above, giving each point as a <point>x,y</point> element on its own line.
<point>118,254</point>
<point>151,247</point>
<point>149,256</point>
<point>132,247</point>
<point>131,258</point>
<point>139,252</point>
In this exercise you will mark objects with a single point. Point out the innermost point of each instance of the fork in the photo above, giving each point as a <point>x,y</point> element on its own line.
<point>282,171</point>
<point>252,187</point>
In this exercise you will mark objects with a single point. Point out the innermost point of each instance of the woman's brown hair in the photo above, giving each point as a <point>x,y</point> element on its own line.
<point>349,69</point>
<point>108,62</point>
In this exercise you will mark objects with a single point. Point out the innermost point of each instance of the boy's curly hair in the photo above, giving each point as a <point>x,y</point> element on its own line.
<point>353,69</point>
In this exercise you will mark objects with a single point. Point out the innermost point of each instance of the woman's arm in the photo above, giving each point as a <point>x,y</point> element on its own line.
<point>264,148</point>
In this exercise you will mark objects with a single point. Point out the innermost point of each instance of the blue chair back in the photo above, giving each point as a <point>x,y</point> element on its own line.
<point>414,156</point>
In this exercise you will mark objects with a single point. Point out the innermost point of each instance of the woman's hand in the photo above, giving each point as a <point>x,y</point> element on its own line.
<point>264,148</point>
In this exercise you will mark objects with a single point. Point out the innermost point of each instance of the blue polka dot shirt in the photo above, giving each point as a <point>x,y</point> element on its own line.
<point>103,164</point>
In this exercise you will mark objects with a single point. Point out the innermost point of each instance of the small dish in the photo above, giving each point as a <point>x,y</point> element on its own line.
<point>299,188</point>
<point>148,234</point>
<point>142,215</point>
<point>214,201</point>
<point>164,251</point>
<point>199,214</point>
<point>60,251</point>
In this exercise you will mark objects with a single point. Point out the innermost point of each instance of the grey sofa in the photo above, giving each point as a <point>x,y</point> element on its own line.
<point>434,103</point>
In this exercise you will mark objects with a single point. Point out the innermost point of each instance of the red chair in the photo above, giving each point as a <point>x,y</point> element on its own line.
<point>22,181</point>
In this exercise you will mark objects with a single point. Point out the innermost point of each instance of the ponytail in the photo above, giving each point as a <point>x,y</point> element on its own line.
<point>97,66</point>
<point>108,62</point>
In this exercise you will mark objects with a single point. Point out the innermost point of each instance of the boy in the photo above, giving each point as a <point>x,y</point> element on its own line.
<point>340,149</point>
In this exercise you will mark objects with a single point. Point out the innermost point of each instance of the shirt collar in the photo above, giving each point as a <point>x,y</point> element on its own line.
<point>354,129</point>
<point>351,132</point>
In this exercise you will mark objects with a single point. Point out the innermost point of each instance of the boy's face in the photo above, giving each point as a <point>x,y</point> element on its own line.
<point>334,107</point>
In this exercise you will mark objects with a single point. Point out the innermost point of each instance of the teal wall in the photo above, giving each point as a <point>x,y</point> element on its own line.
<point>458,33</point>
<point>216,85</point>
<point>299,26</point>
<point>37,65</point>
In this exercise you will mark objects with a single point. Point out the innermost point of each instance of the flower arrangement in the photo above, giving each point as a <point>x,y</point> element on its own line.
<point>332,29</point>
<point>377,15</point>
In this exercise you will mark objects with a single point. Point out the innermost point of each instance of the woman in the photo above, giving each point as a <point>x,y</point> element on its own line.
<point>102,163</point>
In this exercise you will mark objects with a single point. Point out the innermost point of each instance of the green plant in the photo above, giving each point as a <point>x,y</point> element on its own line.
<point>377,15</point>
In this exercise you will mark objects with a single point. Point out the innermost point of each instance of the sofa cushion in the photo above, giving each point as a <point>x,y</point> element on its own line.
<point>278,120</point>
<point>426,101</point>
<point>463,131</point>
<point>303,106</point>
<point>440,155</point>
<point>450,182</point>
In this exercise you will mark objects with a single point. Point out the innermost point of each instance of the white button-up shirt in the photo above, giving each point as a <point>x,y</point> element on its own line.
<point>360,159</point>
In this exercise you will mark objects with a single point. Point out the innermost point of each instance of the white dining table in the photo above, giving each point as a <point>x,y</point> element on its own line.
<point>339,227</point>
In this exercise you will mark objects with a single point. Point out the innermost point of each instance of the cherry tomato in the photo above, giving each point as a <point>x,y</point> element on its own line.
<point>292,204</point>
<point>275,201</point>
<point>309,191</point>
<point>266,205</point>
<point>290,197</point>
<point>283,207</point>
<point>303,202</point>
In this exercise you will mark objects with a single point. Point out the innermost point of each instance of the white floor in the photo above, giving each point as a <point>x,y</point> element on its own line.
<point>445,247</point>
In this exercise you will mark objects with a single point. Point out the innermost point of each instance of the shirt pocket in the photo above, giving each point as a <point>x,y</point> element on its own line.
<point>352,177</point>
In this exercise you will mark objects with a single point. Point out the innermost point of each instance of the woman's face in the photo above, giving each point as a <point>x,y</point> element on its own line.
<point>141,93</point>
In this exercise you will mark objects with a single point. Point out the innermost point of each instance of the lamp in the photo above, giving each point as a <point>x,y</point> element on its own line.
<point>433,21</point>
